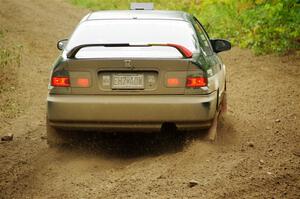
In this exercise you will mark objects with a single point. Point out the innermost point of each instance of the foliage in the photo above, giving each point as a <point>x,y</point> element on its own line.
<point>265,26</point>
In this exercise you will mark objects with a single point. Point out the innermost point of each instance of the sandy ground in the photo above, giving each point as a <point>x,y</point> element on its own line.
<point>256,154</point>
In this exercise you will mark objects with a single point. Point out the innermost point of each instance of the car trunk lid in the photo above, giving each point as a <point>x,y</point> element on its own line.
<point>130,76</point>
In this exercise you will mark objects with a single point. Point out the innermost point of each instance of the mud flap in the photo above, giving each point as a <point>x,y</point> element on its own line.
<point>224,104</point>
<point>213,130</point>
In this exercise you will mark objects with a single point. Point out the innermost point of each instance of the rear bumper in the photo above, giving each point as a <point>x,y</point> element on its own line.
<point>131,112</point>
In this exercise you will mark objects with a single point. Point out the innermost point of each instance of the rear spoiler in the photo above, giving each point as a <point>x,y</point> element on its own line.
<point>186,53</point>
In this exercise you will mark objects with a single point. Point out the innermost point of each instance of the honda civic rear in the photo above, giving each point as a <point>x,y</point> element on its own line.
<point>134,71</point>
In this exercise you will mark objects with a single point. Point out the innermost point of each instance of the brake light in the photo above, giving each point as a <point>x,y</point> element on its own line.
<point>83,82</point>
<point>60,81</point>
<point>194,82</point>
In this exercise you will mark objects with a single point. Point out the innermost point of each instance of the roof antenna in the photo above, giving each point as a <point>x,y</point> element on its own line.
<point>141,6</point>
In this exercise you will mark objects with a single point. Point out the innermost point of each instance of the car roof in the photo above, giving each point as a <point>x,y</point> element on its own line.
<point>139,14</point>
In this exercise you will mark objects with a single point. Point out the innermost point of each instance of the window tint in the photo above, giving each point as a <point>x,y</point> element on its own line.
<point>203,39</point>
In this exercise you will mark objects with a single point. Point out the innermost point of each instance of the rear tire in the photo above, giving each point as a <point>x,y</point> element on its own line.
<point>55,137</point>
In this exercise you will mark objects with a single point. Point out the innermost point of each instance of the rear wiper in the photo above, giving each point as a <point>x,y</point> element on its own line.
<point>186,53</point>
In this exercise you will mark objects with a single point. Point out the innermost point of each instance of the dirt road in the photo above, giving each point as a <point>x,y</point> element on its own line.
<point>256,154</point>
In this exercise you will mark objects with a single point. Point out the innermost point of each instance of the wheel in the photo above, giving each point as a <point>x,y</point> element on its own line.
<point>55,137</point>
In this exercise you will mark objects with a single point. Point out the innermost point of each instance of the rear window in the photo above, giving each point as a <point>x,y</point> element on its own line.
<point>133,32</point>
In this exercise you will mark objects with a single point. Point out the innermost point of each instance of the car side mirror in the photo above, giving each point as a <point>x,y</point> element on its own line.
<point>61,44</point>
<point>220,45</point>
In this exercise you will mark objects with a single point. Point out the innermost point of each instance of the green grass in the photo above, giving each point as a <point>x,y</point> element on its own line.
<point>265,26</point>
<point>125,4</point>
<point>10,60</point>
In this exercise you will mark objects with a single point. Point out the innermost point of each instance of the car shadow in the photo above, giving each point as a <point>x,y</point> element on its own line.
<point>138,144</point>
<point>131,145</point>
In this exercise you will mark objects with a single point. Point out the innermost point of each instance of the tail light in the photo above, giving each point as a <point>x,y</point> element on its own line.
<point>196,82</point>
<point>60,81</point>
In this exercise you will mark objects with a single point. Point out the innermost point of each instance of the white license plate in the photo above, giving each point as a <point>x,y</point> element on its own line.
<point>128,81</point>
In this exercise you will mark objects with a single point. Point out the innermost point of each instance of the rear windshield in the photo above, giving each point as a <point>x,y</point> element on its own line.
<point>133,32</point>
